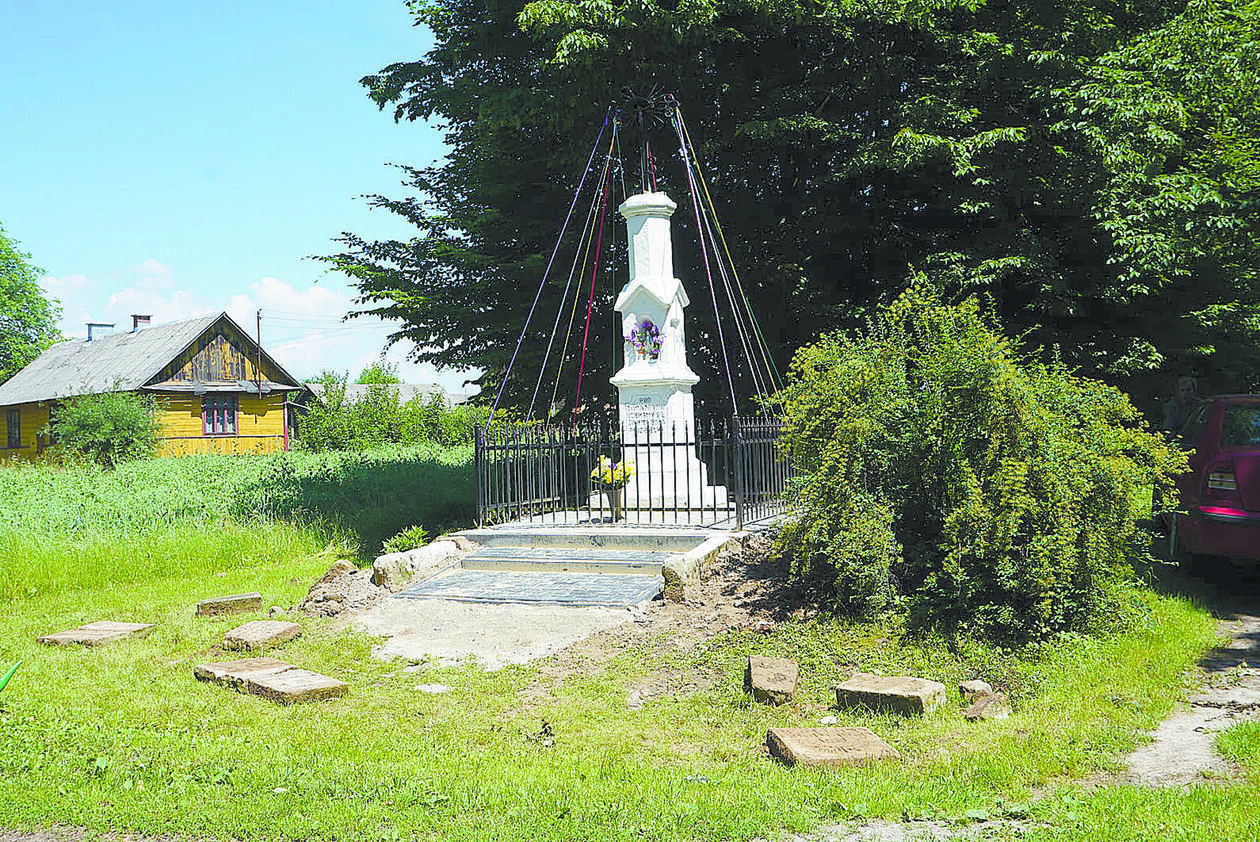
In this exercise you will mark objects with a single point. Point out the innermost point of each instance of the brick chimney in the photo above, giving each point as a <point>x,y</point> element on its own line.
<point>138,321</point>
<point>91,325</point>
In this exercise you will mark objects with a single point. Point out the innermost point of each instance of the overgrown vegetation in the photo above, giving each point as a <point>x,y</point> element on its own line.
<point>987,491</point>
<point>124,738</point>
<point>380,416</point>
<point>202,508</point>
<point>109,428</point>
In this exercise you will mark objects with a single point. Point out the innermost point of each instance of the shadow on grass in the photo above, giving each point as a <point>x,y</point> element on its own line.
<point>369,496</point>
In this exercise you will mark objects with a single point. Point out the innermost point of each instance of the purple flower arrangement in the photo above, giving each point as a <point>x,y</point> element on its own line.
<point>646,339</point>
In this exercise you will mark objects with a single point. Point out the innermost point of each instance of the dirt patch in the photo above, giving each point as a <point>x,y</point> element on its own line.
<point>1183,747</point>
<point>344,588</point>
<point>744,589</point>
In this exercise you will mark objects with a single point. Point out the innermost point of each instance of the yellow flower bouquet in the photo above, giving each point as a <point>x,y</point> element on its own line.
<point>612,474</point>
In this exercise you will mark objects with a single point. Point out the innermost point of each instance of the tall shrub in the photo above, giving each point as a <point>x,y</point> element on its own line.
<point>109,429</point>
<point>992,492</point>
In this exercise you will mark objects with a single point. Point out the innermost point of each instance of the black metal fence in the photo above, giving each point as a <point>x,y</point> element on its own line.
<point>732,471</point>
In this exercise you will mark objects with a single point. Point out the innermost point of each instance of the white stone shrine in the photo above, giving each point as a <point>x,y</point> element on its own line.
<point>655,403</point>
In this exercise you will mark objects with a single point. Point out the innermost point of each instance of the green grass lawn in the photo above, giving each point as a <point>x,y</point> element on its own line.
<point>124,738</point>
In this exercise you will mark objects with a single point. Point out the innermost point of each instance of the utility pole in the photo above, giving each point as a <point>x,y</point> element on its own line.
<point>258,342</point>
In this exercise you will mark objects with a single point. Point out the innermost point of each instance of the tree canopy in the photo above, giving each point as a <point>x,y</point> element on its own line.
<point>28,320</point>
<point>1092,167</point>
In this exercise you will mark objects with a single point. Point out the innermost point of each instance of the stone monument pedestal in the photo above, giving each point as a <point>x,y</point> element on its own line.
<point>655,405</point>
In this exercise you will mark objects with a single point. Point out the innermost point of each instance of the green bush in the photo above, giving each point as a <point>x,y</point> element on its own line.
<point>380,418</point>
<point>991,492</point>
<point>109,429</point>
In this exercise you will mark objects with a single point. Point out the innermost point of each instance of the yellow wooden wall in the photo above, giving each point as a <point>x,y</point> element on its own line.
<point>33,418</point>
<point>259,420</point>
<point>260,427</point>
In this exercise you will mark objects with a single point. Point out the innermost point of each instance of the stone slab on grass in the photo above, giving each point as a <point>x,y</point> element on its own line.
<point>235,604</point>
<point>261,634</point>
<point>291,686</point>
<point>273,680</point>
<point>234,673</point>
<point>771,680</point>
<point>901,693</point>
<point>97,634</point>
<point>992,706</point>
<point>828,747</point>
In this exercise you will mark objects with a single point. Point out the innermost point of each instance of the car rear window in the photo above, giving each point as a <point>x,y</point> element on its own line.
<point>1241,427</point>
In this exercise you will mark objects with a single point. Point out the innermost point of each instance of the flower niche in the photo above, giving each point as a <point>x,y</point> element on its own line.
<point>646,339</point>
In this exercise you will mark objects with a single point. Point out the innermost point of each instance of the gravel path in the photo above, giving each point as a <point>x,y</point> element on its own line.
<point>1183,749</point>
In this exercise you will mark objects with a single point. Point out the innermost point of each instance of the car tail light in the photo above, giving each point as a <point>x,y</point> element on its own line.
<point>1222,481</point>
<point>1222,484</point>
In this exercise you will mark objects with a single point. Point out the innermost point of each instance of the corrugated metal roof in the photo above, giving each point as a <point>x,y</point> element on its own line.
<point>116,362</point>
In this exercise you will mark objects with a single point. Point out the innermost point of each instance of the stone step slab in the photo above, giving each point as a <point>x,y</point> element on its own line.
<point>261,634</point>
<point>901,693</point>
<point>97,634</point>
<point>828,747</point>
<point>271,679</point>
<point>771,680</point>
<point>235,604</point>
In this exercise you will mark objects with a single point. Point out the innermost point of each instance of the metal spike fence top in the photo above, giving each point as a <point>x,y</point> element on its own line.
<point>542,473</point>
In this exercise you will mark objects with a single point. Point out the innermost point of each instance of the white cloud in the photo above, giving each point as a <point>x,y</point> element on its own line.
<point>303,328</point>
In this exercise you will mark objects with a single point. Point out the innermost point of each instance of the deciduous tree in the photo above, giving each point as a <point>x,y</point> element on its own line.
<point>1088,165</point>
<point>28,320</point>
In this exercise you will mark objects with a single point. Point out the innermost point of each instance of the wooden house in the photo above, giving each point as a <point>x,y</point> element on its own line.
<point>215,389</point>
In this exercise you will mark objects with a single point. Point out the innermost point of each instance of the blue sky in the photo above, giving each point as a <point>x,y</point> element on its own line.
<point>176,159</point>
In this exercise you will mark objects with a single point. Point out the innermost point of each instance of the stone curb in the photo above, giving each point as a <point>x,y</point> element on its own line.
<point>684,573</point>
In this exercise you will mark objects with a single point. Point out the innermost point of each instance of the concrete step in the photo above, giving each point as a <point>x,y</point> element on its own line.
<point>536,588</point>
<point>562,566</point>
<point>610,537</point>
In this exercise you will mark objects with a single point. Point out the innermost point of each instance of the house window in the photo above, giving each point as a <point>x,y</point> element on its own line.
<point>218,415</point>
<point>14,423</point>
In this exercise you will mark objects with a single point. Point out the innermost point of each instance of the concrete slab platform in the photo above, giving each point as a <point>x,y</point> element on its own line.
<point>535,588</point>
<point>901,693</point>
<point>261,634</point>
<point>493,635</point>
<point>828,747</point>
<point>235,604</point>
<point>97,634</point>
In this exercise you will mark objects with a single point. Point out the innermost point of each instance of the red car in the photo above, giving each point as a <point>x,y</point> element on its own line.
<point>1220,496</point>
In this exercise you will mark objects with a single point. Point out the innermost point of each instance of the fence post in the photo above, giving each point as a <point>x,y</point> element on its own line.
<point>478,455</point>
<point>737,450</point>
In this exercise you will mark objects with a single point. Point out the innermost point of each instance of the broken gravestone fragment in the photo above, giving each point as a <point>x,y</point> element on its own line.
<point>273,680</point>
<point>990,706</point>
<point>771,680</point>
<point>828,747</point>
<point>901,693</point>
<point>97,634</point>
<point>235,604</point>
<point>974,689</point>
<point>261,634</point>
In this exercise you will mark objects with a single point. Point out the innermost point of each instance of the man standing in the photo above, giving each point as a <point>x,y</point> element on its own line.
<point>1177,410</point>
